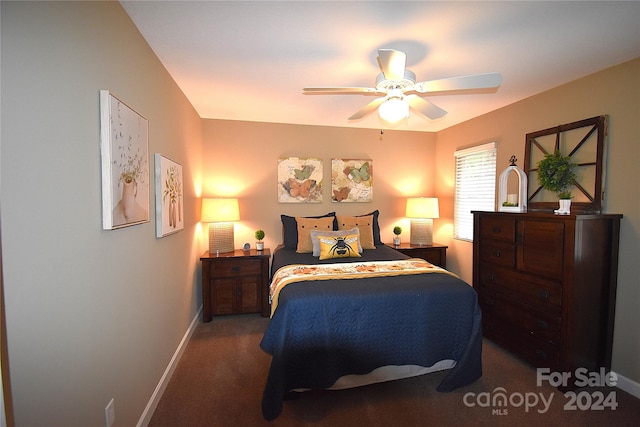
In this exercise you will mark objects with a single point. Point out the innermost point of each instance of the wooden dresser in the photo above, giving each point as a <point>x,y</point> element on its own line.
<point>547,286</point>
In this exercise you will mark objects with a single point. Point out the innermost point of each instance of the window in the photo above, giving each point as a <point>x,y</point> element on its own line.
<point>475,187</point>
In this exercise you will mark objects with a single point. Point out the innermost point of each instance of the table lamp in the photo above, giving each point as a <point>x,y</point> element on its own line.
<point>220,214</point>
<point>421,211</point>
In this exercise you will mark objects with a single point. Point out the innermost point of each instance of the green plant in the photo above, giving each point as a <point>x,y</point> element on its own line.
<point>397,230</point>
<point>259,235</point>
<point>557,173</point>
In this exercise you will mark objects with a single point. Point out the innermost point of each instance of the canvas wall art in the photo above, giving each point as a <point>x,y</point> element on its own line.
<point>124,148</point>
<point>169,196</point>
<point>299,180</point>
<point>351,180</point>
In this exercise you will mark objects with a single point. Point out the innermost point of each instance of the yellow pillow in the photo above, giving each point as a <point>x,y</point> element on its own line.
<point>305,225</point>
<point>338,246</point>
<point>364,223</point>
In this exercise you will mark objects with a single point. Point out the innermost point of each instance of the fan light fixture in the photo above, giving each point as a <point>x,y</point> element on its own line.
<point>393,110</point>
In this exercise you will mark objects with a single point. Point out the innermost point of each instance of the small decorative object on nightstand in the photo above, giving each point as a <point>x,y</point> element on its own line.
<point>436,254</point>
<point>235,283</point>
<point>259,236</point>
<point>397,230</point>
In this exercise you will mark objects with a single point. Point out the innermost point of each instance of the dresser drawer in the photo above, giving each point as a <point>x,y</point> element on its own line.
<point>518,287</point>
<point>497,252</point>
<point>229,267</point>
<point>498,228</point>
<point>526,321</point>
<point>535,351</point>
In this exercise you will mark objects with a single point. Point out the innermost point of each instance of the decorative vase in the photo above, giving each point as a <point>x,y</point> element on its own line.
<point>396,241</point>
<point>129,192</point>
<point>565,207</point>
<point>259,246</point>
<point>172,214</point>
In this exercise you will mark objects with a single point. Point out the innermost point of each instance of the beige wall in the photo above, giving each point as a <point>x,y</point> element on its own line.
<point>95,314</point>
<point>614,92</point>
<point>240,159</point>
<point>91,314</point>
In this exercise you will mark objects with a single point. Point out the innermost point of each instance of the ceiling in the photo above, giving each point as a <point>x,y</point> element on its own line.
<point>249,61</point>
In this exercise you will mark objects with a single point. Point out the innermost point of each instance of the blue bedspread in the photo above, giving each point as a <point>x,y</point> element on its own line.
<point>323,330</point>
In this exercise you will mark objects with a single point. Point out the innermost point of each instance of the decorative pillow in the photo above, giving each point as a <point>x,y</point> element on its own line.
<point>376,227</point>
<point>305,226</point>
<point>341,233</point>
<point>364,223</point>
<point>290,229</point>
<point>338,246</point>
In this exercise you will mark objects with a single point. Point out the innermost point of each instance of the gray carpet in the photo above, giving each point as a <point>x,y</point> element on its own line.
<point>220,378</point>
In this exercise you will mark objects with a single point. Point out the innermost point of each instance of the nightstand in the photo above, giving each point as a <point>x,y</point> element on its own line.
<point>436,254</point>
<point>235,283</point>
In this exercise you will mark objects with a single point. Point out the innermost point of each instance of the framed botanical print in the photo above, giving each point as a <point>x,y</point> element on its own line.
<point>169,196</point>
<point>124,149</point>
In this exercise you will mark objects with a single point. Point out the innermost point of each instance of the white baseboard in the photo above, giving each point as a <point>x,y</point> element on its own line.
<point>630,386</point>
<point>164,380</point>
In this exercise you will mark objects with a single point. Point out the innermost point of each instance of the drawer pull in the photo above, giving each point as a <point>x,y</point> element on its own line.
<point>235,269</point>
<point>542,324</point>
<point>497,229</point>
<point>496,254</point>
<point>544,294</point>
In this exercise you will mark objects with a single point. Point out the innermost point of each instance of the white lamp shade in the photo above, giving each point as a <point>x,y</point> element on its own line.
<point>422,207</point>
<point>393,110</point>
<point>220,210</point>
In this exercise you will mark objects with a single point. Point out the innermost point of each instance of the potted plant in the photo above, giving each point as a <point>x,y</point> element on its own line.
<point>557,173</point>
<point>259,236</point>
<point>397,230</point>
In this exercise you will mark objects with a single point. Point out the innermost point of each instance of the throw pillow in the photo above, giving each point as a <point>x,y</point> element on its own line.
<point>338,246</point>
<point>364,224</point>
<point>316,243</point>
<point>305,226</point>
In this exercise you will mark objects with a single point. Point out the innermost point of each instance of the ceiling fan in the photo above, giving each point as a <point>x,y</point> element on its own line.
<point>399,90</point>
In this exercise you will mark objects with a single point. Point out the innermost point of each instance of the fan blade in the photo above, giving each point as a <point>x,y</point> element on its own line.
<point>341,89</point>
<point>424,107</point>
<point>476,81</point>
<point>392,63</point>
<point>368,109</point>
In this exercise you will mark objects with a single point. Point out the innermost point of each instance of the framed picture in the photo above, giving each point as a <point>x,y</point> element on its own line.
<point>299,180</point>
<point>169,193</point>
<point>351,180</point>
<point>124,148</point>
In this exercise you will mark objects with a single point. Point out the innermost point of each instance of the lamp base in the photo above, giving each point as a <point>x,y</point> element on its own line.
<point>221,237</point>
<point>421,232</point>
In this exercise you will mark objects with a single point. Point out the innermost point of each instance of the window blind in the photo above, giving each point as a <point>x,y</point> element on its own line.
<point>475,186</point>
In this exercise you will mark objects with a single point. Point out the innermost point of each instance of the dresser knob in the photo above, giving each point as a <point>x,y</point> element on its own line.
<point>542,324</point>
<point>235,269</point>
<point>544,294</point>
<point>496,254</point>
<point>497,229</point>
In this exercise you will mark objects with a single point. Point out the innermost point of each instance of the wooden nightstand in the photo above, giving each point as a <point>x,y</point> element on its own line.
<point>436,254</point>
<point>235,283</point>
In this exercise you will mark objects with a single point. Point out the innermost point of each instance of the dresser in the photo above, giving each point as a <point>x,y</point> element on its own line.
<point>235,283</point>
<point>547,286</point>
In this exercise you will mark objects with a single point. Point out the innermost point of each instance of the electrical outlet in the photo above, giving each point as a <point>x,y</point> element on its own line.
<point>110,413</point>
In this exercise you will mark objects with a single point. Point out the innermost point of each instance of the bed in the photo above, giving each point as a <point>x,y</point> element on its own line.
<point>355,319</point>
